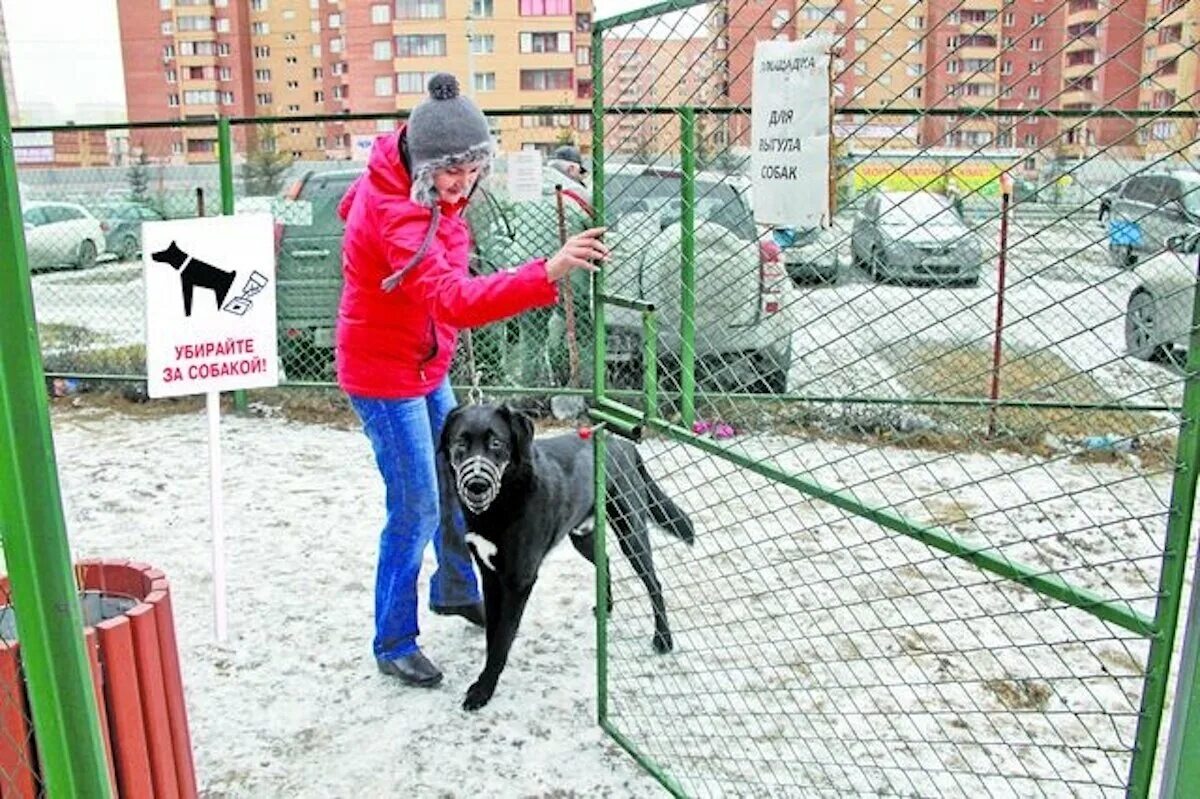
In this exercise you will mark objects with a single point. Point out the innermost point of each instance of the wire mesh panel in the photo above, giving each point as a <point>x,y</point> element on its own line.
<point>85,194</point>
<point>932,451</point>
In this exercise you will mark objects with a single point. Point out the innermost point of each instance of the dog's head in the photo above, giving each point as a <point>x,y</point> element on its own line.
<point>481,443</point>
<point>170,255</point>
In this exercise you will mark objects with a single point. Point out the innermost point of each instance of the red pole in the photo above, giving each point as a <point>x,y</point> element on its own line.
<point>1005,193</point>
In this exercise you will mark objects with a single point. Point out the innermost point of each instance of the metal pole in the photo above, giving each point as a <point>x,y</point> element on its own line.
<point>568,299</point>
<point>1180,769</point>
<point>55,664</point>
<point>1006,193</point>
<point>225,157</point>
<point>687,220</point>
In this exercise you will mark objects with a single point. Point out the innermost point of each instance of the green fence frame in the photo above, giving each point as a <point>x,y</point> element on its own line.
<point>1182,772</point>
<point>62,698</point>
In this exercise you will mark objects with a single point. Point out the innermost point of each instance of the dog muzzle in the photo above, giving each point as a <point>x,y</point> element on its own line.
<point>477,481</point>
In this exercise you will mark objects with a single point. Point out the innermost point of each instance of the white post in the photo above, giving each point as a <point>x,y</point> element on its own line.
<point>215,511</point>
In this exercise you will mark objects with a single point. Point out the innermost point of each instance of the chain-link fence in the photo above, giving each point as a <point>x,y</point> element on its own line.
<point>942,478</point>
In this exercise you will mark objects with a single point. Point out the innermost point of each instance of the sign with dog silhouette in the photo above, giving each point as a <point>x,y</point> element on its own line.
<point>210,304</point>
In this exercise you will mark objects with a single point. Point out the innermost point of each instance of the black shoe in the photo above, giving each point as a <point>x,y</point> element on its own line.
<point>472,613</point>
<point>414,669</point>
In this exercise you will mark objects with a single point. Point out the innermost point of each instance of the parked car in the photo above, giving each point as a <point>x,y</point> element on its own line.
<point>308,247</point>
<point>1158,317</point>
<point>122,225</point>
<point>743,340</point>
<point>810,256</point>
<point>61,234</point>
<point>1150,208</point>
<point>915,237</point>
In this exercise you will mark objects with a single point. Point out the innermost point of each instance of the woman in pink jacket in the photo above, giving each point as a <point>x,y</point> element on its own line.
<point>406,294</point>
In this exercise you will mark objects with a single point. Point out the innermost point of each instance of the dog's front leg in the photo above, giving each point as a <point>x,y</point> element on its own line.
<point>503,609</point>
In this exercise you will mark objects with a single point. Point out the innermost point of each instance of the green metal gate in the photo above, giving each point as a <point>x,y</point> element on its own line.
<point>942,501</point>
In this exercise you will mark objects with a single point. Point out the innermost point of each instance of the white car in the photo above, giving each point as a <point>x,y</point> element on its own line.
<point>61,234</point>
<point>1159,315</point>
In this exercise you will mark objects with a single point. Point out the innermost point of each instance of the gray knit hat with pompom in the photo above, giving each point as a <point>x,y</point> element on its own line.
<point>445,130</point>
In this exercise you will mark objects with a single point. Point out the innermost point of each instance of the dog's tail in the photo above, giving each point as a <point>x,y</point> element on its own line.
<point>664,511</point>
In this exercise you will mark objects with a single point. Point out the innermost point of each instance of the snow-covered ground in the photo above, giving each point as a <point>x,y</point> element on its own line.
<point>817,654</point>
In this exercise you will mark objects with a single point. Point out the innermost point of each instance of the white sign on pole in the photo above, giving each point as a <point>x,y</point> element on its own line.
<point>210,305</point>
<point>789,125</point>
<point>525,175</point>
<point>210,327</point>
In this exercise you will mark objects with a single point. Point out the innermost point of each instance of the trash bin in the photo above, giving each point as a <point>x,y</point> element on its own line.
<point>130,641</point>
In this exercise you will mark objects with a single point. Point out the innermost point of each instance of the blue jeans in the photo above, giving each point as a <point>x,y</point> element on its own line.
<point>404,434</point>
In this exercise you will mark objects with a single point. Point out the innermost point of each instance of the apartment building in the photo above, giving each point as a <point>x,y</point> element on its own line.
<point>967,60</point>
<point>517,54</point>
<point>1170,78</point>
<point>196,59</point>
<point>647,72</point>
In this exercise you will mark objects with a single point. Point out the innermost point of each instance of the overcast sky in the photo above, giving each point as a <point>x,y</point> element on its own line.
<point>67,53</point>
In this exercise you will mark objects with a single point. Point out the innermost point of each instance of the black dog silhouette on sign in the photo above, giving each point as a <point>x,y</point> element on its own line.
<point>194,272</point>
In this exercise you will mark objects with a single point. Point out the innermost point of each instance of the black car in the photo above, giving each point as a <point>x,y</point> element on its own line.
<point>122,226</point>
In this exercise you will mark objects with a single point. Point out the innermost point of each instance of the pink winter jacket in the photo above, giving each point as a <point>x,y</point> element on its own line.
<point>399,343</point>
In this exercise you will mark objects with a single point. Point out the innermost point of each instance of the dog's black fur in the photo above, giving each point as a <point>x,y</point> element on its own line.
<point>546,491</point>
<point>195,273</point>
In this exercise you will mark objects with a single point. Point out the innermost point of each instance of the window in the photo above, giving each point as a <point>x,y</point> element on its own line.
<point>164,5</point>
<point>259,5</point>
<point>1036,44</point>
<point>421,45</point>
<point>1035,68</point>
<point>262,51</point>
<point>380,15</point>
<point>336,45</point>
<point>341,92</point>
<point>483,44</point>
<point>484,81</point>
<point>173,100</point>
<point>335,21</point>
<point>263,98</point>
<point>195,23</point>
<point>383,86</point>
<point>226,98</point>
<point>483,9</point>
<point>546,79</point>
<point>1039,20</point>
<point>167,28</point>
<point>1006,68</point>
<point>293,84</point>
<point>200,97</point>
<point>316,51</point>
<point>293,109</point>
<point>583,89</point>
<point>197,48</point>
<point>340,68</point>
<point>916,23</point>
<point>545,8</point>
<point>1031,140</point>
<point>291,59</point>
<point>546,42</point>
<point>223,25</point>
<point>412,82</point>
<point>913,70</point>
<point>260,28</point>
<point>318,96</point>
<point>952,66</point>
<point>381,50</point>
<point>224,49</point>
<point>169,51</point>
<point>1034,92</point>
<point>171,76</point>
<point>1010,18</point>
<point>420,9</point>
<point>262,75</point>
<point>199,73</point>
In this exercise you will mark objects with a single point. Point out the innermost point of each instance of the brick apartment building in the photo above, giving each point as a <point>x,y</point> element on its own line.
<point>196,59</point>
<point>1006,55</point>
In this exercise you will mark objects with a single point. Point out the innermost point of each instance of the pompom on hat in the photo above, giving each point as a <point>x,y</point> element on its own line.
<point>445,130</point>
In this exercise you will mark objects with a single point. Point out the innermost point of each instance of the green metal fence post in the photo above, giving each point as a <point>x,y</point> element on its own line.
<point>49,617</point>
<point>1181,764</point>
<point>1170,583</point>
<point>687,220</point>
<point>225,156</point>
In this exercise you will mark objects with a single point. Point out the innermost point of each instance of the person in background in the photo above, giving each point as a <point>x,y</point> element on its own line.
<point>406,295</point>
<point>568,160</point>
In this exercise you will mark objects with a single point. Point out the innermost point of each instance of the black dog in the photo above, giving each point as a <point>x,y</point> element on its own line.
<point>193,272</point>
<point>520,497</point>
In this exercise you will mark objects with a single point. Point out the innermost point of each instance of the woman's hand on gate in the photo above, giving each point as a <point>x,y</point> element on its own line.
<point>578,253</point>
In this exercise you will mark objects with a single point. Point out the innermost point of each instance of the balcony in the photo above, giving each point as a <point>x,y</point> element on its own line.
<point>1081,70</point>
<point>1083,13</point>
<point>1080,96</point>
